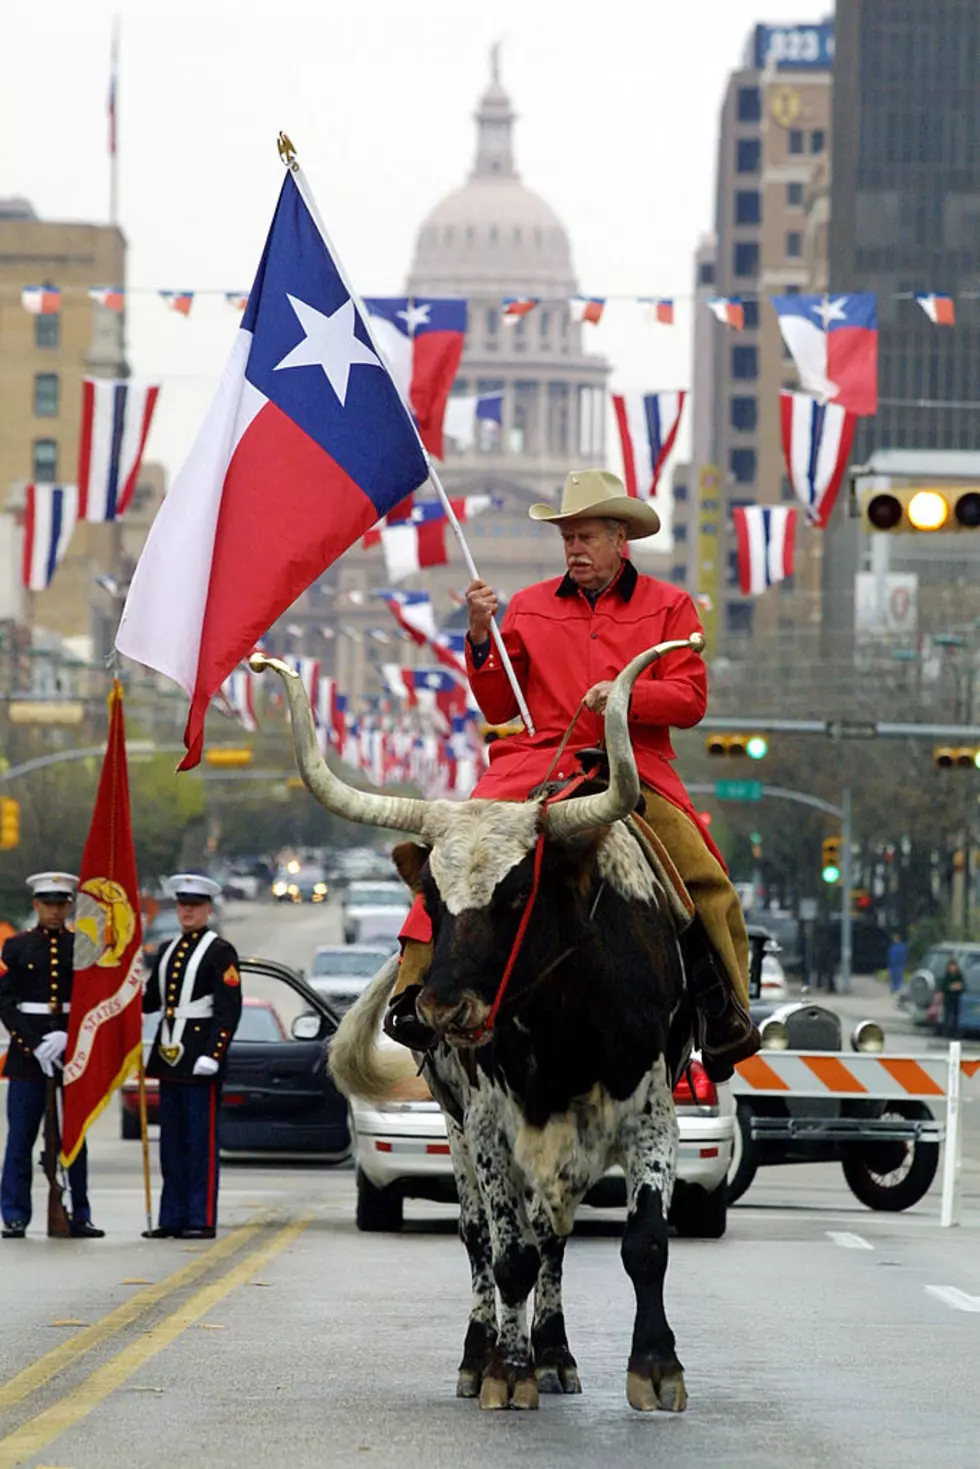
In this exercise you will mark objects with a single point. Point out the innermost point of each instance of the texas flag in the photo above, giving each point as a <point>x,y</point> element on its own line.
<point>514,307</point>
<point>587,308</point>
<point>766,536</point>
<point>413,613</point>
<point>113,298</point>
<point>238,693</point>
<point>413,544</point>
<point>41,300</point>
<point>834,342</point>
<point>940,309</point>
<point>729,311</point>
<point>179,301</point>
<point>421,339</point>
<point>306,445</point>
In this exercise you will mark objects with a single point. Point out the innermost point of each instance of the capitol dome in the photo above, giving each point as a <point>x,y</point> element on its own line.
<point>493,231</point>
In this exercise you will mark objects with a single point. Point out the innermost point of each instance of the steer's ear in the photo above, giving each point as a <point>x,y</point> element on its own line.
<point>575,858</point>
<point>409,859</point>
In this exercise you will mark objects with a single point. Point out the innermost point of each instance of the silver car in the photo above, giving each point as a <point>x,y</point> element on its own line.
<point>340,972</point>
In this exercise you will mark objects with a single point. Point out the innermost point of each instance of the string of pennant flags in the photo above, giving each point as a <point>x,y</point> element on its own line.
<point>46,300</point>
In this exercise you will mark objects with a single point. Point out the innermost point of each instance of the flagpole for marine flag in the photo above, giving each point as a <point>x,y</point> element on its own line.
<point>288,155</point>
<point>114,125</point>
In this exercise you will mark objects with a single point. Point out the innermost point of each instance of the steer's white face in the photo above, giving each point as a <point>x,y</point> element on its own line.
<point>475,845</point>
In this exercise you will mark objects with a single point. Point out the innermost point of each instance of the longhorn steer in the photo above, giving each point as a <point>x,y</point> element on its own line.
<point>577,1070</point>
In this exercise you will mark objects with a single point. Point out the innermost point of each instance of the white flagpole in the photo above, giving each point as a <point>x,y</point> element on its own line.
<point>114,123</point>
<point>288,155</point>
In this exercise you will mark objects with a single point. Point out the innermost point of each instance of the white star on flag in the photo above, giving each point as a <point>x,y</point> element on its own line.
<point>829,311</point>
<point>416,316</point>
<point>329,343</point>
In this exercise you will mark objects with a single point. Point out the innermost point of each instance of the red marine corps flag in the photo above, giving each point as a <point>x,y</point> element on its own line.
<point>105,1032</point>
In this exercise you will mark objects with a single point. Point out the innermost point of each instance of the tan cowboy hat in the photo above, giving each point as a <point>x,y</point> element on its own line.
<point>598,494</point>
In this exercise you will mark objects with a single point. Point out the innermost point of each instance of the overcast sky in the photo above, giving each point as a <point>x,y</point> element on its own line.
<point>617,128</point>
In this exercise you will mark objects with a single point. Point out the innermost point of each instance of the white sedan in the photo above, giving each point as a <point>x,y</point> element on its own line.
<point>402,1153</point>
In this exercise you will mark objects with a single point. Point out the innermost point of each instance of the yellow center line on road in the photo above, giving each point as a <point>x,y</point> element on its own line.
<point>38,1432</point>
<point>55,1361</point>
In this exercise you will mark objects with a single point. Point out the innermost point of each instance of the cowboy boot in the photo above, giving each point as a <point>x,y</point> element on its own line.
<point>724,1029</point>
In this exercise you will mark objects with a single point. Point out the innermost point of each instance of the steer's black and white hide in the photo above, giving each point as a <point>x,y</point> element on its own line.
<point>576,1075</point>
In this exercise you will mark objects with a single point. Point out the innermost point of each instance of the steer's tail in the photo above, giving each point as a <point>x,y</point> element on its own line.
<point>358,1064</point>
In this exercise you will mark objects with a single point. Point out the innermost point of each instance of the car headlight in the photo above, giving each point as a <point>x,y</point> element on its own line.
<point>293,890</point>
<point>775,1036</point>
<point>868,1036</point>
<point>320,887</point>
<point>279,889</point>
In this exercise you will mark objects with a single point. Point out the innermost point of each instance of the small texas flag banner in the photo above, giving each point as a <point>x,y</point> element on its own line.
<point>329,713</point>
<point>514,307</point>
<point>238,692</point>
<point>661,309</point>
<point>450,650</point>
<point>834,343</point>
<point>113,298</point>
<point>766,537</point>
<point>466,412</point>
<point>413,613</point>
<point>587,308</point>
<point>106,1023</point>
<point>179,301</point>
<point>433,690</point>
<point>238,299</point>
<point>50,516</point>
<point>41,300</point>
<point>421,339</point>
<point>648,424</point>
<point>307,671</point>
<point>817,441</point>
<point>941,310</point>
<point>116,419</point>
<point>729,310</point>
<point>306,445</point>
<point>419,539</point>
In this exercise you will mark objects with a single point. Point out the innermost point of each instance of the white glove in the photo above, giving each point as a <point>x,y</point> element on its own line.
<point>51,1049</point>
<point>205,1066</point>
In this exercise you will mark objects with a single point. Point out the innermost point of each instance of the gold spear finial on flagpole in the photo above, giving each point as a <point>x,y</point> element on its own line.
<point>288,153</point>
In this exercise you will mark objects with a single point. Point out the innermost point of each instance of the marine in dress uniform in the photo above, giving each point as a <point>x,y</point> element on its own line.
<point>196,987</point>
<point>35,1000</point>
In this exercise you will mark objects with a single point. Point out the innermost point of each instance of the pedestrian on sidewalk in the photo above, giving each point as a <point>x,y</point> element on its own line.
<point>898,953</point>
<point>952,985</point>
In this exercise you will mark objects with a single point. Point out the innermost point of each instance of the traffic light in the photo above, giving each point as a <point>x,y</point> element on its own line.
<point>956,757</point>
<point>920,508</point>
<point>9,824</point>
<point>227,756</point>
<point>755,746</point>
<point>830,859</point>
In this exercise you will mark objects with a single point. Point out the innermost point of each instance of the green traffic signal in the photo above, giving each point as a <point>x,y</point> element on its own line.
<point>831,873</point>
<point>757,748</point>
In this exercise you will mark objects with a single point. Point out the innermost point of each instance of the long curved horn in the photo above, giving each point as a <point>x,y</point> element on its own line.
<point>578,813</point>
<point>401,813</point>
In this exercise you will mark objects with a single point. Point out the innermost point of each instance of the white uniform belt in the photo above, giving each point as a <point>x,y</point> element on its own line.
<point>197,1009</point>
<point>37,1007</point>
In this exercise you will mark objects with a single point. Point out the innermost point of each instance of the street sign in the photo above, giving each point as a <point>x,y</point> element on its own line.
<point>852,729</point>
<point>738,790</point>
<point>809,908</point>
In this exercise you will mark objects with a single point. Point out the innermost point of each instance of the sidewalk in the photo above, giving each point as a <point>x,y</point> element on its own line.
<point>871,999</point>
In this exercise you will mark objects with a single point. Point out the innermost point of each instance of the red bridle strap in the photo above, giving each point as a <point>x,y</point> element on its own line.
<point>572,786</point>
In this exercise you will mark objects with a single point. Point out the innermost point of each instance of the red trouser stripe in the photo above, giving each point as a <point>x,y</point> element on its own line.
<point>212,1155</point>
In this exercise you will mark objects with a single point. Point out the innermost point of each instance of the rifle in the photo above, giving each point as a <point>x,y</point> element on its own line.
<point>59,1225</point>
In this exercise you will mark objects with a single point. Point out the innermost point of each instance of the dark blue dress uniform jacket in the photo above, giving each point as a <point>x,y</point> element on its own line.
<point>38,968</point>
<point>218,976</point>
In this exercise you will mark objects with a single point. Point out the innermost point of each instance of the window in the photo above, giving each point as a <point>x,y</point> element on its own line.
<point>795,144</point>
<point>745,362</point>
<point>492,324</point>
<point>749,104</point>
<point>746,258</point>
<point>786,492</point>
<point>45,462</point>
<point>731,570</point>
<point>738,618</point>
<point>818,140</point>
<point>46,395</point>
<point>678,575</point>
<point>788,583</point>
<point>47,331</point>
<point>706,273</point>
<point>544,326</point>
<point>794,244</point>
<point>748,155</point>
<point>745,414</point>
<point>493,234</point>
<point>469,234</point>
<point>742,465</point>
<point>750,315</point>
<point>794,195</point>
<point>680,532</point>
<point>680,493</point>
<point>748,206</point>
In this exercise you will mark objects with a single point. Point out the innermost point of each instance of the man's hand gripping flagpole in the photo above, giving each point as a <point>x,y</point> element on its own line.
<point>288,155</point>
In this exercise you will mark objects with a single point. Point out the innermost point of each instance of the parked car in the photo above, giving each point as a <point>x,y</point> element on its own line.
<point>921,993</point>
<point>163,927</point>
<point>402,1152</point>
<point>340,972</point>
<point>277,1096</point>
<point>773,985</point>
<point>373,910</point>
<point>300,883</point>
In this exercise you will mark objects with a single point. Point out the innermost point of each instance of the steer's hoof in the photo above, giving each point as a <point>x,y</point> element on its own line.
<point>468,1382</point>
<point>495,1393</point>
<point>525,1395</point>
<point>558,1373</point>
<point>672,1392</point>
<point>651,1385</point>
<point>641,1393</point>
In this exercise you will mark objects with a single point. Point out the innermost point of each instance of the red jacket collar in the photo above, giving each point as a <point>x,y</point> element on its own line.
<point>623,583</point>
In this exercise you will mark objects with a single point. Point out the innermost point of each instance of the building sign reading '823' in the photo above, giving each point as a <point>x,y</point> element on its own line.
<point>797,48</point>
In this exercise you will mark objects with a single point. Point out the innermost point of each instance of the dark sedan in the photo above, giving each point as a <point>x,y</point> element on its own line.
<point>277,1096</point>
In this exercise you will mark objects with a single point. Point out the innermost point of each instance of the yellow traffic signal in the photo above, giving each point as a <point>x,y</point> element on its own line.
<point>227,756</point>
<point>921,508</point>
<point>830,859</point>
<point>755,746</point>
<point>956,757</point>
<point>9,823</point>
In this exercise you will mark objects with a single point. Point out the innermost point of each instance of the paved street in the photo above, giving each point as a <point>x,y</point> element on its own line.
<point>815,1334</point>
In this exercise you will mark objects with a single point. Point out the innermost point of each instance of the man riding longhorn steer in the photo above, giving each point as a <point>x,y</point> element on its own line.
<point>568,638</point>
